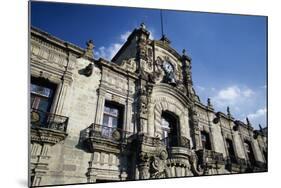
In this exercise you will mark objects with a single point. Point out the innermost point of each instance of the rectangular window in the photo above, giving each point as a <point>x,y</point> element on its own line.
<point>206,144</point>
<point>230,150</point>
<point>41,98</point>
<point>249,151</point>
<point>112,118</point>
<point>42,93</point>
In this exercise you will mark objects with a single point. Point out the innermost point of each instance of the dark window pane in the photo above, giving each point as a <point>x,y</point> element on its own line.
<point>105,120</point>
<point>32,97</point>
<point>42,91</point>
<point>114,122</point>
<point>206,143</point>
<point>114,111</point>
<point>203,137</point>
<point>115,117</point>
<point>107,109</point>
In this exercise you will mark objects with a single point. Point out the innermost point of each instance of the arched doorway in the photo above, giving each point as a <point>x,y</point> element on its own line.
<point>170,127</point>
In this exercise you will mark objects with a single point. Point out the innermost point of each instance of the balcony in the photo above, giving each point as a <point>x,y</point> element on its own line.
<point>236,164</point>
<point>177,147</point>
<point>100,137</point>
<point>47,127</point>
<point>210,159</point>
<point>255,166</point>
<point>175,141</point>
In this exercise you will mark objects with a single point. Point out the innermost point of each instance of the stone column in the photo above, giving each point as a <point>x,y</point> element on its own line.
<point>196,131</point>
<point>100,106</point>
<point>150,120</point>
<point>129,126</point>
<point>61,99</point>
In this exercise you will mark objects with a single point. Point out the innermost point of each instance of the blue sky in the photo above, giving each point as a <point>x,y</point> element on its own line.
<point>228,51</point>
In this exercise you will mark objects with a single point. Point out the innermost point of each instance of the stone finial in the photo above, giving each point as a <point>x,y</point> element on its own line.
<point>248,121</point>
<point>209,102</point>
<point>185,55</point>
<point>142,25</point>
<point>89,49</point>
<point>228,111</point>
<point>260,127</point>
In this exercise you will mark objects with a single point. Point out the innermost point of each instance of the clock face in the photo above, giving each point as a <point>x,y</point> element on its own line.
<point>168,66</point>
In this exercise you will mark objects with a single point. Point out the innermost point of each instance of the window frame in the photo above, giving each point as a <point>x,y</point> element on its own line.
<point>119,116</point>
<point>207,144</point>
<point>45,83</point>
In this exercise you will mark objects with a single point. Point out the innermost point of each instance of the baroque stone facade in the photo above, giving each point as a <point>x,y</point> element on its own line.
<point>136,117</point>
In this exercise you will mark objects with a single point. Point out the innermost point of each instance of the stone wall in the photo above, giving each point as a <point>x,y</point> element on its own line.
<point>129,81</point>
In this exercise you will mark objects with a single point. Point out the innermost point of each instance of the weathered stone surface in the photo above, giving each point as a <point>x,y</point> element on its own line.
<point>138,149</point>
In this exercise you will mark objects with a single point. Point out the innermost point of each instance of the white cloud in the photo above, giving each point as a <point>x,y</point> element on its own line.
<point>259,113</point>
<point>232,95</point>
<point>124,36</point>
<point>109,51</point>
<point>258,117</point>
<point>113,48</point>
<point>229,94</point>
<point>151,36</point>
<point>248,93</point>
<point>243,102</point>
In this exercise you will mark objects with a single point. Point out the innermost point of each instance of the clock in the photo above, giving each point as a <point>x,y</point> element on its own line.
<point>168,67</point>
<point>169,73</point>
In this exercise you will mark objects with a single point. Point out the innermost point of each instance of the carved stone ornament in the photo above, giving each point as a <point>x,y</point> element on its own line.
<point>116,135</point>
<point>144,97</point>
<point>163,155</point>
<point>158,74</point>
<point>196,167</point>
<point>157,168</point>
<point>143,104</point>
<point>144,166</point>
<point>89,49</point>
<point>129,65</point>
<point>41,135</point>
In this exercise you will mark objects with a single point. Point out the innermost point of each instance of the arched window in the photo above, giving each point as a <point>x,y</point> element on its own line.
<point>170,126</point>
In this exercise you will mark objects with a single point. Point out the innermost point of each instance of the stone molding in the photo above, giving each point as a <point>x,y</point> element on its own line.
<point>42,135</point>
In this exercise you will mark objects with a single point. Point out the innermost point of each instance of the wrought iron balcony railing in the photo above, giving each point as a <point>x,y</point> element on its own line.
<point>41,119</point>
<point>210,156</point>
<point>175,141</point>
<point>236,164</point>
<point>108,133</point>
